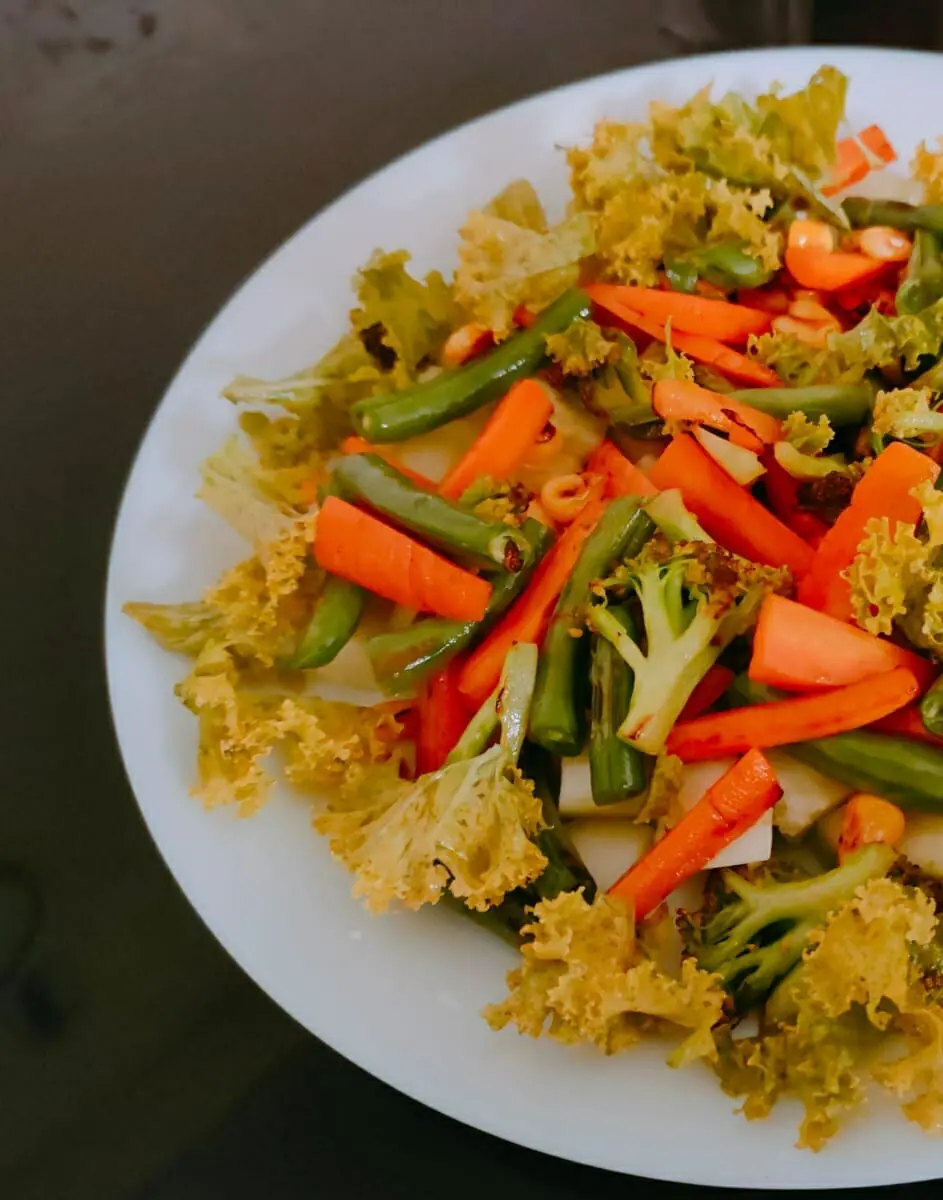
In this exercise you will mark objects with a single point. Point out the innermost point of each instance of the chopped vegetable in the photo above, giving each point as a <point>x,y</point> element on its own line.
<point>359,445</point>
<point>333,623</point>
<point>931,709</point>
<point>862,212</point>
<point>441,719</point>
<point>682,401</point>
<point>910,723</point>
<point>623,478</point>
<point>708,691</point>
<point>717,319</point>
<point>743,466</point>
<point>581,348</point>
<point>908,414</point>
<point>617,770</point>
<point>867,820</point>
<point>922,285</point>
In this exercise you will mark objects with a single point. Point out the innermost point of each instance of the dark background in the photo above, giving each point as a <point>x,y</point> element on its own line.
<point>150,155</point>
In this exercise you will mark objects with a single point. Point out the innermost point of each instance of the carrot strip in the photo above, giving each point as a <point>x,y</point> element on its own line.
<point>850,166</point>
<point>510,433</point>
<point>726,811</point>
<point>875,139</point>
<point>907,722</point>
<point>885,489</point>
<point>807,526</point>
<point>707,692</point>
<point>529,616</point>
<point>359,445</point>
<point>442,718</point>
<point>830,270</point>
<point>710,318</point>
<point>466,342</point>
<point>360,548</point>
<point>795,720</point>
<point>728,512</point>
<point>681,400</point>
<point>798,649</point>
<point>623,478</point>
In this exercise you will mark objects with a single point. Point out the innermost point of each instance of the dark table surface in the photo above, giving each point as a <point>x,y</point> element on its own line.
<point>151,154</point>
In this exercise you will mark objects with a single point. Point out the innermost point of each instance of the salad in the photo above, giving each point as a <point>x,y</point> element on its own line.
<point>629,540</point>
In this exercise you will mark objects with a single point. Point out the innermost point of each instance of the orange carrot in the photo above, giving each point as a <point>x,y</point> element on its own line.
<point>884,491</point>
<point>308,492</point>
<point>510,433</point>
<point>359,445</point>
<point>681,400</point>
<point>710,318</point>
<point>850,166</point>
<point>908,723</point>
<point>360,548</point>
<point>796,720</point>
<point>867,819</point>
<point>707,692</point>
<point>728,512</point>
<point>798,649</point>
<point>726,811</point>
<point>523,317</point>
<point>830,270</point>
<point>875,139</point>
<point>529,616</point>
<point>442,718</point>
<point>466,342</point>
<point>623,478</point>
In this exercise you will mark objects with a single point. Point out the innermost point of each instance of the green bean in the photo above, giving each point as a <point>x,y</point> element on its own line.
<point>616,769</point>
<point>923,282</point>
<point>848,404</point>
<point>456,393</point>
<point>558,720</point>
<point>862,212</point>
<point>333,623</point>
<point>403,658</point>
<point>931,708</point>
<point>367,478</point>
<point>726,265</point>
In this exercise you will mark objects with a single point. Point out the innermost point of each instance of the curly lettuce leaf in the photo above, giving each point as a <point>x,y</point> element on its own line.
<point>467,827</point>
<point>581,348</point>
<point>927,169</point>
<point>909,415</point>
<point>889,566</point>
<point>802,126</point>
<point>257,502</point>
<point>584,977</point>
<point>808,437</point>
<point>881,341</point>
<point>519,204</point>
<point>180,628</point>
<point>659,362</point>
<point>800,364</point>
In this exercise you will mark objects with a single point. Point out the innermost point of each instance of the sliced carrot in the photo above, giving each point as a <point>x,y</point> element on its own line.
<point>359,445</point>
<point>875,139</point>
<point>728,512</point>
<point>682,400</point>
<point>523,317</point>
<point>308,492</point>
<point>623,478</point>
<point>710,318</point>
<point>808,526</point>
<point>798,649</point>
<point>908,723</point>
<point>850,166</point>
<point>795,720</point>
<point>885,489</point>
<point>529,616</point>
<point>360,548</point>
<point>830,271</point>
<point>441,719</point>
<point>707,692</point>
<point>506,439</point>
<point>466,342</point>
<point>726,811</point>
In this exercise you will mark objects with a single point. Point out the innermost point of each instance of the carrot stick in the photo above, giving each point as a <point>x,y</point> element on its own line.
<point>728,512</point>
<point>360,548</point>
<point>442,718</point>
<point>830,270</point>
<point>681,400</point>
<point>798,649</point>
<point>808,526</point>
<point>710,318</point>
<point>875,139</point>
<point>623,478</point>
<point>796,720</point>
<point>707,692</point>
<point>359,445</point>
<point>726,811</point>
<point>507,438</point>
<point>850,166</point>
<point>907,722</point>
<point>528,618</point>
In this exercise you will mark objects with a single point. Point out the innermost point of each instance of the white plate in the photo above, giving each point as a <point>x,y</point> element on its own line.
<point>400,995</point>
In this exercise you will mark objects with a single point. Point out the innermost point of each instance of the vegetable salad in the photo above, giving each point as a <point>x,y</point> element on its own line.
<point>632,532</point>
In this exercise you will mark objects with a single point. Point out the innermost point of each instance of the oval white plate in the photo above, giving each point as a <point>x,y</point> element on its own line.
<point>401,995</point>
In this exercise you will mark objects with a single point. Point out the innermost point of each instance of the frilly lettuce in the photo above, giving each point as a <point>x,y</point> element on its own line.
<point>800,451</point>
<point>879,341</point>
<point>519,204</point>
<point>466,827</point>
<point>659,362</point>
<point>928,170</point>
<point>887,569</point>
<point>581,348</point>
<point>586,978</point>
<point>799,364</point>
<point>180,628</point>
<point>831,1024</point>
<point>908,414</point>
<point>808,437</point>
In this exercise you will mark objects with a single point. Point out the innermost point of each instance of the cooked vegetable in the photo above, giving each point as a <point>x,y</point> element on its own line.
<point>623,478</point>
<point>862,212</point>
<point>678,400</point>
<point>734,804</point>
<point>510,433</point>
<point>922,284</point>
<point>455,393</point>
<point>728,512</point>
<point>441,719</point>
<point>726,265</point>
<point>931,709</point>
<point>743,466</point>
<point>717,319</point>
<point>908,414</point>
<point>361,549</point>
<point>558,719</point>
<point>367,479</point>
<point>695,598</point>
<point>909,723</point>
<point>761,930</point>
<point>359,445</point>
<point>617,770</point>
<point>333,623</point>
<point>856,156</point>
<point>708,691</point>
<point>867,820</point>
<point>797,720</point>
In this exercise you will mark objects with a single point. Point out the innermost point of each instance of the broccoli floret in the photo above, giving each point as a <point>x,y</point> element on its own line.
<point>695,598</point>
<point>908,415</point>
<point>757,932</point>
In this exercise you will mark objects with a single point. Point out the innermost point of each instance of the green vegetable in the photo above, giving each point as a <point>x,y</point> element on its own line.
<point>932,378</point>
<point>922,284</point>
<point>558,721</point>
<point>333,623</point>
<point>931,708</point>
<point>508,706</point>
<point>618,392</point>
<point>403,658</point>
<point>726,265</point>
<point>899,769</point>
<point>367,479</point>
<point>616,769</point>
<point>862,212</point>
<point>761,930</point>
<point>667,510</point>
<point>847,404</point>
<point>434,402</point>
